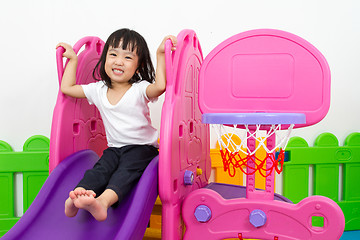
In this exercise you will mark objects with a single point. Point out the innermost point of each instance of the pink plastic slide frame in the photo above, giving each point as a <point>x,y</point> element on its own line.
<point>76,125</point>
<point>184,160</point>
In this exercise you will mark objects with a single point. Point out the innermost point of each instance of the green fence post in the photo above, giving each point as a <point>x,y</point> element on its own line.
<point>326,167</point>
<point>37,148</point>
<point>295,174</point>
<point>7,211</point>
<point>351,182</point>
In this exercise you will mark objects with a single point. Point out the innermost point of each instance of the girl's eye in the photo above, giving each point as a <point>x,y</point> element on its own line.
<point>127,57</point>
<point>112,54</point>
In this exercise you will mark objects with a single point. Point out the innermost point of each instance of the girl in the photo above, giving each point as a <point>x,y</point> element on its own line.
<point>124,88</point>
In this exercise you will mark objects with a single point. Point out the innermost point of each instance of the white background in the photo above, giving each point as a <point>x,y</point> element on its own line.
<point>30,31</point>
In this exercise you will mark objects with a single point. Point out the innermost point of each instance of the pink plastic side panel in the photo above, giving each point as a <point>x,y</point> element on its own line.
<point>184,140</point>
<point>76,125</point>
<point>286,221</point>
<point>265,71</point>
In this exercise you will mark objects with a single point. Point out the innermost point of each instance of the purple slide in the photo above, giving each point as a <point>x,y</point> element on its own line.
<point>45,219</point>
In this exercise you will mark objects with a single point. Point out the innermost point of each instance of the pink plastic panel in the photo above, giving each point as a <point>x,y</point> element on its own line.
<point>265,71</point>
<point>184,140</point>
<point>76,125</point>
<point>230,218</point>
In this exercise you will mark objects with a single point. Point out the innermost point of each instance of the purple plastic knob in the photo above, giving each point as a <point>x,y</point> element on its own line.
<point>202,213</point>
<point>257,218</point>
<point>188,177</point>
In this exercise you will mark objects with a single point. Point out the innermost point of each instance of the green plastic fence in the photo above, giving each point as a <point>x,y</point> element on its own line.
<point>33,163</point>
<point>336,169</point>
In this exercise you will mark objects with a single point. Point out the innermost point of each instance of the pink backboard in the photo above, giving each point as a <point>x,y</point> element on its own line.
<point>268,71</point>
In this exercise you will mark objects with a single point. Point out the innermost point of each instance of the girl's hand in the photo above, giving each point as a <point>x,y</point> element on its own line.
<point>158,88</point>
<point>68,82</point>
<point>69,51</point>
<point>161,49</point>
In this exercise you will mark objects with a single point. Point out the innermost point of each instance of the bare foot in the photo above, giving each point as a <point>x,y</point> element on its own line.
<point>91,204</point>
<point>70,208</point>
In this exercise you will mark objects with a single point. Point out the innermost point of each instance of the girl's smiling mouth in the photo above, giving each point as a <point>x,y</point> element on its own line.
<point>118,71</point>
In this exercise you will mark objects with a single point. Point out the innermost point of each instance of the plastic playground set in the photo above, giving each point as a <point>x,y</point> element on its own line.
<point>252,89</point>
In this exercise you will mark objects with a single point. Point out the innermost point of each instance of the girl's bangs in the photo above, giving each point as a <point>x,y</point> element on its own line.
<point>125,42</point>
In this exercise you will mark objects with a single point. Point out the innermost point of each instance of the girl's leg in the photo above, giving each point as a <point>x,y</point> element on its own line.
<point>95,179</point>
<point>98,177</point>
<point>133,161</point>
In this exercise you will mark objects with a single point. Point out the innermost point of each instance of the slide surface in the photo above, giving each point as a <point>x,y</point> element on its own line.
<point>45,218</point>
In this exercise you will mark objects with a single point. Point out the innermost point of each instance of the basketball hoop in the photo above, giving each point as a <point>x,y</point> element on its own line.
<point>235,153</point>
<point>241,136</point>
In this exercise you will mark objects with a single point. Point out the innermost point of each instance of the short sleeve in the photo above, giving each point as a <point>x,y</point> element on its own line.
<point>91,91</point>
<point>142,87</point>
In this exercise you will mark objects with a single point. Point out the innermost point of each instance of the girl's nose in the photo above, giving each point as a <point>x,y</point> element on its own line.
<point>119,61</point>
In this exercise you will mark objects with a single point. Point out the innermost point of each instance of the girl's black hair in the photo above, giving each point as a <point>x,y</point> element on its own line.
<point>131,40</point>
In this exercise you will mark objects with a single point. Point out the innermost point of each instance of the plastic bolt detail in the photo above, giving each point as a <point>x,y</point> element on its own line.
<point>199,171</point>
<point>188,177</point>
<point>257,218</point>
<point>202,213</point>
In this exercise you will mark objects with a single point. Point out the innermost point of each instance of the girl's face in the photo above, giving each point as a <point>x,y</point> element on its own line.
<point>120,64</point>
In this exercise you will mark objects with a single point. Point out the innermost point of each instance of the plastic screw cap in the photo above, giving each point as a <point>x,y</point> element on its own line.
<point>257,218</point>
<point>188,177</point>
<point>202,213</point>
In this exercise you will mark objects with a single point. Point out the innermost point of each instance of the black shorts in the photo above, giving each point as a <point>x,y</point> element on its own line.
<point>118,169</point>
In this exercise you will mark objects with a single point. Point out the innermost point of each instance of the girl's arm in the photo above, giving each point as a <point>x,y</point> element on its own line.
<point>68,82</point>
<point>156,89</point>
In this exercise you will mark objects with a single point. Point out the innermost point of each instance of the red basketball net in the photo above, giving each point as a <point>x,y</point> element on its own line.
<point>250,164</point>
<point>236,155</point>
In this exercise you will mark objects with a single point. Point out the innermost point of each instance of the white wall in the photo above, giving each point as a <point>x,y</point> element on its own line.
<point>30,31</point>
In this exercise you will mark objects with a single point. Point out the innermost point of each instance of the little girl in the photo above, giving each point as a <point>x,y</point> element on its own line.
<point>126,84</point>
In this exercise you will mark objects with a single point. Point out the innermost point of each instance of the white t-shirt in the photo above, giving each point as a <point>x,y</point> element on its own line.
<point>128,122</point>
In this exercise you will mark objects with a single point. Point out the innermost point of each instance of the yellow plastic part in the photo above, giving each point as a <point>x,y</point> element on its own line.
<point>153,232</point>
